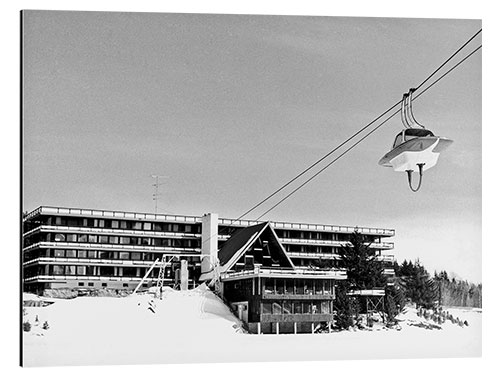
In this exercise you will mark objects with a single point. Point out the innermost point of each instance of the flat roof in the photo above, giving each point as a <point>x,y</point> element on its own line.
<point>112,214</point>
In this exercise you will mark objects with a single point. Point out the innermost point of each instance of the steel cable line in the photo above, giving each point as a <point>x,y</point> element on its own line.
<point>355,134</point>
<point>351,137</point>
<point>365,136</point>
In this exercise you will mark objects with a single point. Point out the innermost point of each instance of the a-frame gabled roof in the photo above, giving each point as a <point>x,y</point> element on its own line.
<point>238,244</point>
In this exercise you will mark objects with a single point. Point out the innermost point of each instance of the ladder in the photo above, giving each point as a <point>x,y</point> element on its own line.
<point>161,275</point>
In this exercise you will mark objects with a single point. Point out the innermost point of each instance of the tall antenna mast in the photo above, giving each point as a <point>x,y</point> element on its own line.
<point>156,195</point>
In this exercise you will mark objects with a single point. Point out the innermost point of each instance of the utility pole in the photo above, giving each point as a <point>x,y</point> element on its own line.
<point>156,195</point>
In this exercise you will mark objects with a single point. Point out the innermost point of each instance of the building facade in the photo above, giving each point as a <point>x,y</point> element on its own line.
<point>270,271</point>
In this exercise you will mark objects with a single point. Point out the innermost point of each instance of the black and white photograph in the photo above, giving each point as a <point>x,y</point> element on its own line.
<point>229,188</point>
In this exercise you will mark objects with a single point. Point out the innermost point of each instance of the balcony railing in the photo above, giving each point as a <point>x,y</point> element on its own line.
<point>311,227</point>
<point>288,273</point>
<point>111,231</point>
<point>47,210</point>
<point>115,247</point>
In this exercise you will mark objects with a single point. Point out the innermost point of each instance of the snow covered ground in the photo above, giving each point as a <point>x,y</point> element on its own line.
<point>195,326</point>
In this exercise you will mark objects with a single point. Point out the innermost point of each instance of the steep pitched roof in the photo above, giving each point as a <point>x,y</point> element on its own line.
<point>243,239</point>
<point>238,240</point>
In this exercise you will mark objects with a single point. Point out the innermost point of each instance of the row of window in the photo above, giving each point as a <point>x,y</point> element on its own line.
<point>118,224</point>
<point>294,307</point>
<point>124,240</point>
<point>93,254</point>
<point>298,286</point>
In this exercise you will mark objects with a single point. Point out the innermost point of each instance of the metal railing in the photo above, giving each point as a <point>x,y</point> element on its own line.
<point>311,227</point>
<point>48,210</point>
<point>297,272</point>
<point>112,231</point>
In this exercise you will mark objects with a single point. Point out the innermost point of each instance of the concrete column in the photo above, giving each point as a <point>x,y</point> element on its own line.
<point>258,328</point>
<point>295,327</point>
<point>209,238</point>
<point>184,275</point>
<point>277,328</point>
<point>312,327</point>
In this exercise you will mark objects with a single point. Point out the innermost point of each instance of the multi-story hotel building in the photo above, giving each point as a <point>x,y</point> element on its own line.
<point>270,271</point>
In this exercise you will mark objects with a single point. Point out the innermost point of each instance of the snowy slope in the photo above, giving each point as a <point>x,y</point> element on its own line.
<point>195,326</point>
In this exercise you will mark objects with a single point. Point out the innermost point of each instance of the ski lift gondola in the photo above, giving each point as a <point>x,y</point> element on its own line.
<point>414,148</point>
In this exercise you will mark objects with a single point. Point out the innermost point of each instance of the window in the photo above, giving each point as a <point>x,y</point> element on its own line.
<point>59,237</point>
<point>115,224</point>
<point>137,225</point>
<point>113,239</point>
<point>267,308</point>
<point>144,241</point>
<point>92,238</point>
<point>124,255</point>
<point>316,307</point>
<point>80,270</point>
<point>104,285</point>
<point>297,308</point>
<point>91,254</point>
<point>107,271</point>
<point>70,270</point>
<point>158,227</point>
<point>82,238</point>
<point>71,237</point>
<point>58,270</point>
<point>103,239</point>
<point>277,308</point>
<point>289,286</point>
<point>81,284</point>
<point>175,227</point>
<point>91,284</point>
<point>135,256</point>
<point>59,220</point>
<point>129,272</point>
<point>287,307</point>
<point>318,286</point>
<point>58,253</point>
<point>125,240</point>
<point>123,224</point>
<point>125,285</point>
<point>280,286</point>
<point>300,286</point>
<point>306,307</point>
<point>104,255</point>
<point>82,253</point>
<point>70,253</point>
<point>325,307</point>
<point>147,226</point>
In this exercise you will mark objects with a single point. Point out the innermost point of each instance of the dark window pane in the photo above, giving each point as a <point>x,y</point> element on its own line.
<point>70,270</point>
<point>297,308</point>
<point>82,253</point>
<point>92,254</point>
<point>123,224</point>
<point>113,239</point>
<point>92,238</point>
<point>103,239</point>
<point>70,253</point>
<point>124,255</point>
<point>59,253</point>
<point>137,225</point>
<point>59,237</point>
<point>80,270</point>
<point>267,308</point>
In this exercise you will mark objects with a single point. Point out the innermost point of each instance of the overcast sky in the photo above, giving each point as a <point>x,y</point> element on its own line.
<point>232,107</point>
